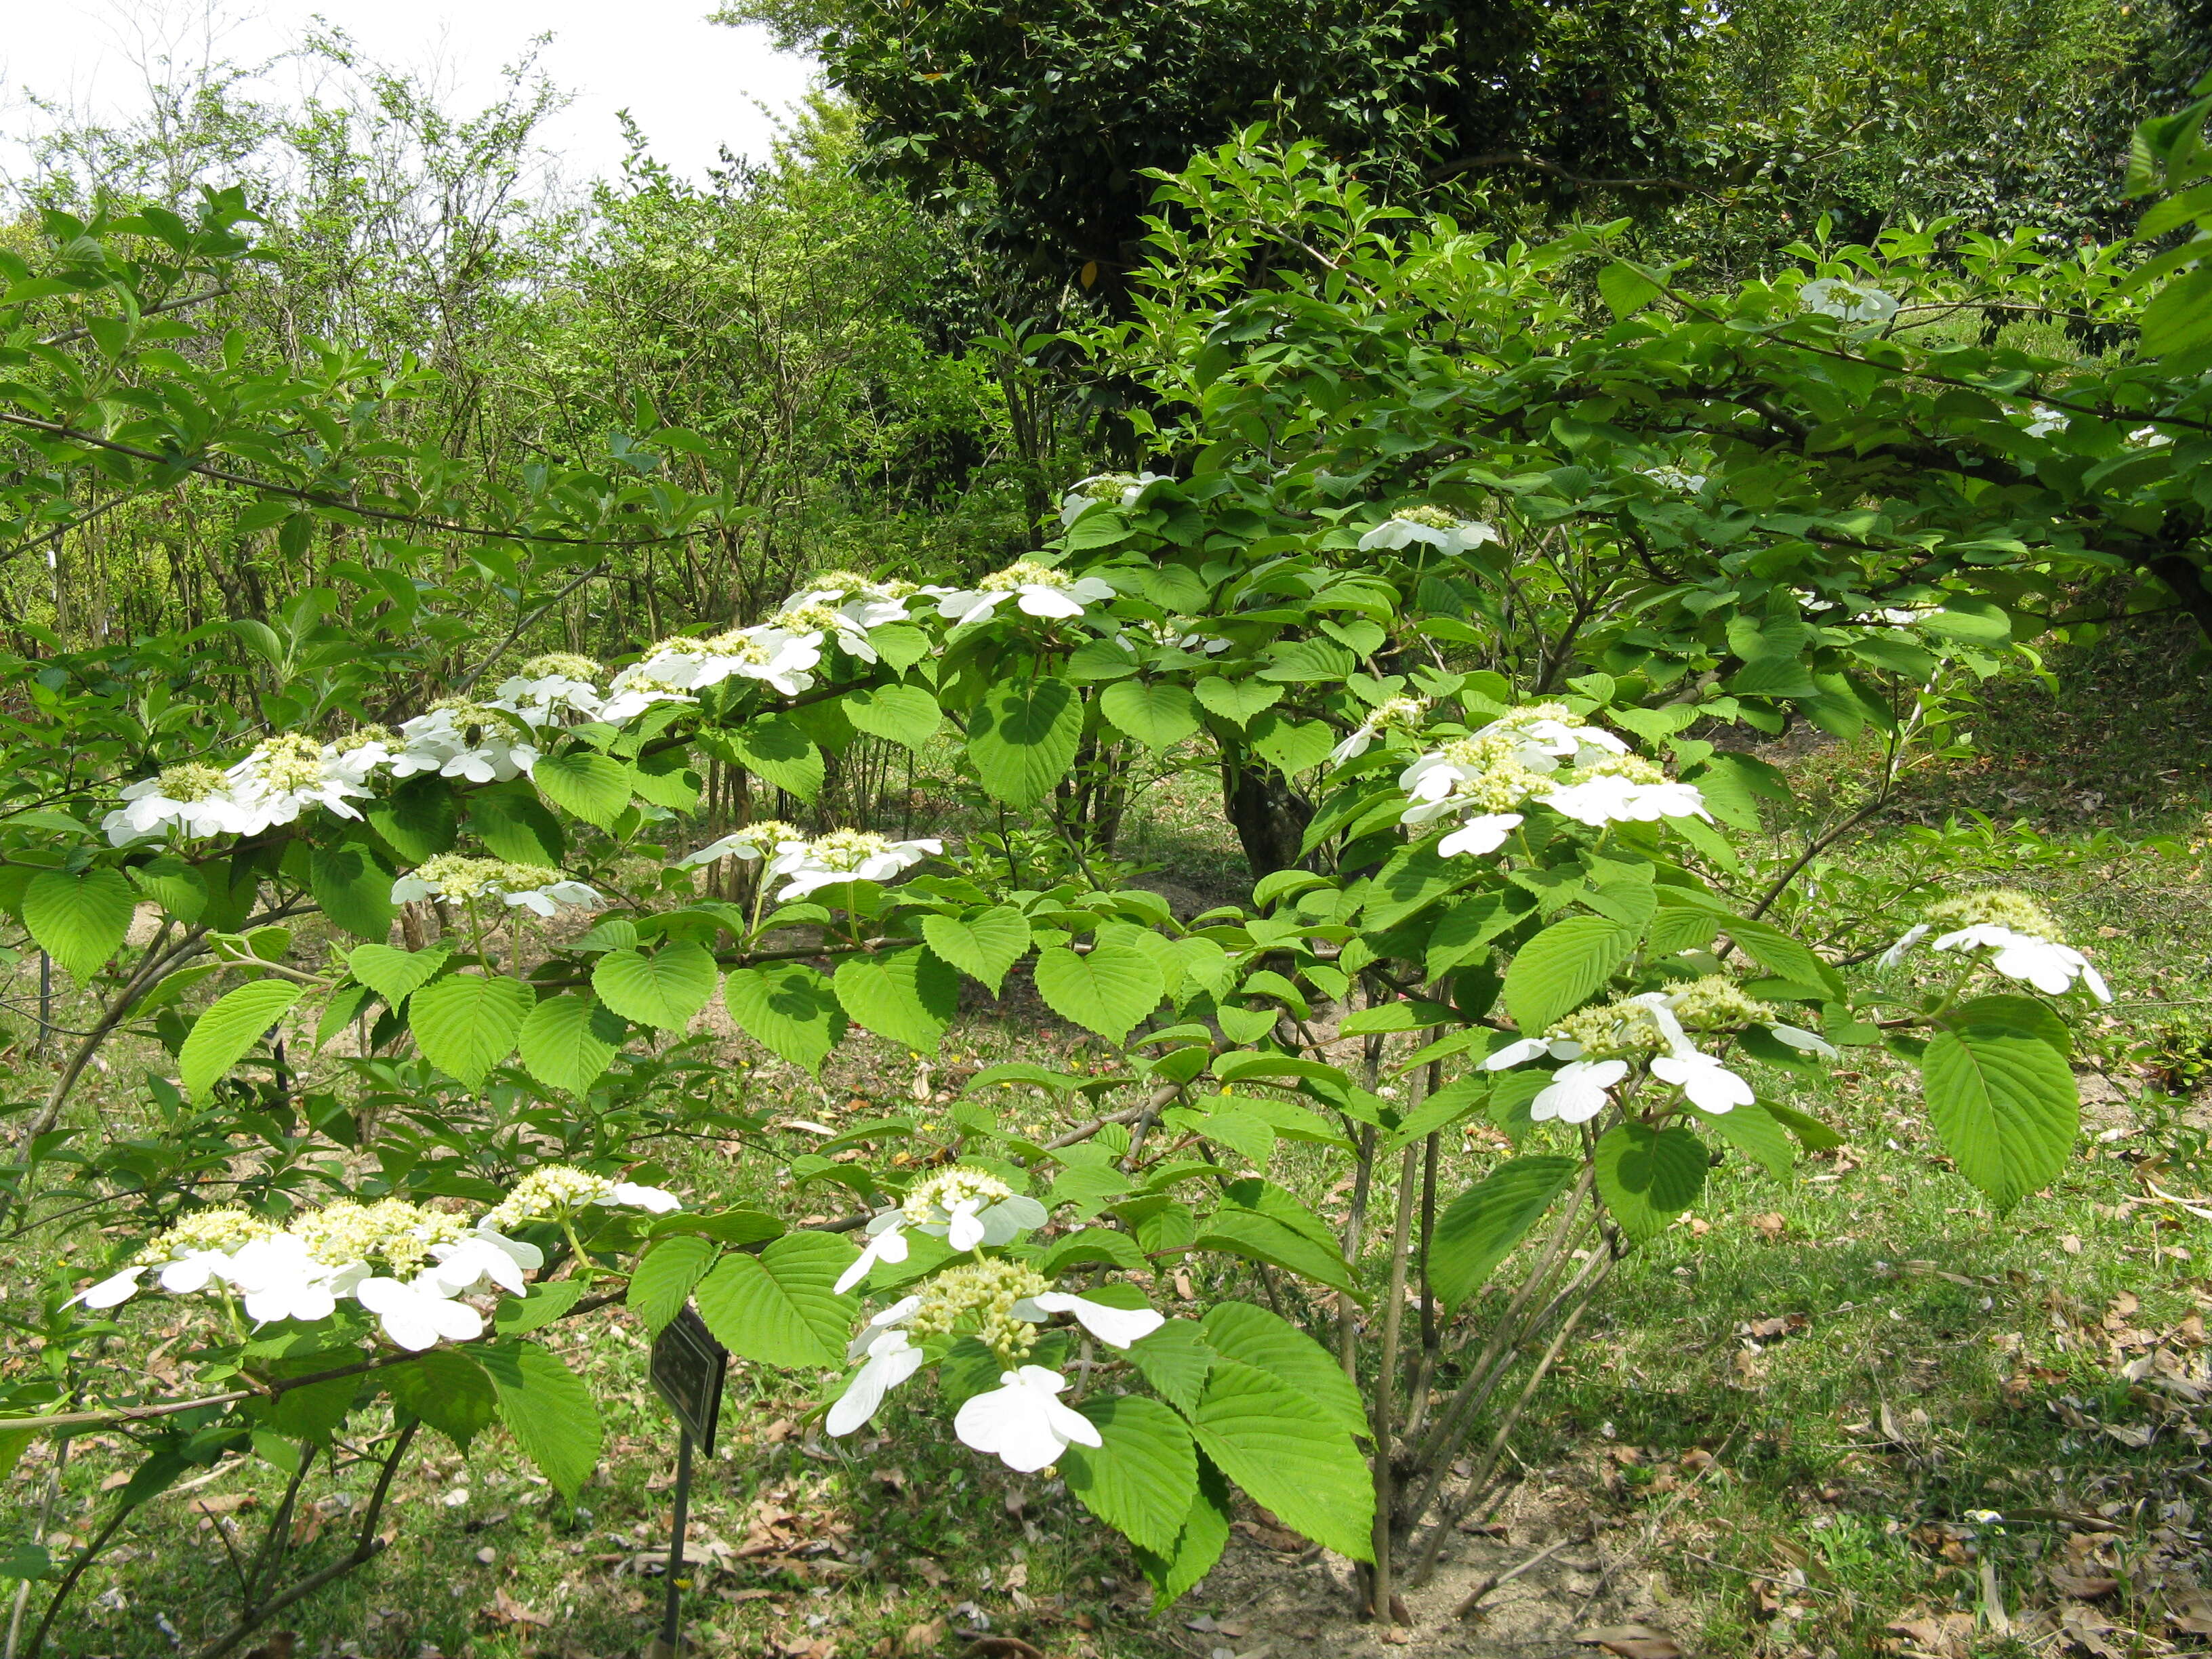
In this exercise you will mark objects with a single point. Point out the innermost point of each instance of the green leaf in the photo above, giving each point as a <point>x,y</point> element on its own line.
<point>354,887</point>
<point>663,990</point>
<point>1157,714</point>
<point>1754,1130</point>
<point>1257,1235</point>
<point>510,820</point>
<point>1108,989</point>
<point>538,1307</point>
<point>171,883</point>
<point>904,713</point>
<point>1782,956</point>
<point>548,1410</point>
<point>1286,1452</point>
<point>2179,318</point>
<point>1142,1479</point>
<point>1175,1360</point>
<point>1238,701</point>
<point>419,819</point>
<point>395,974</point>
<point>467,1024</point>
<point>1487,1221</point>
<point>2025,1016</point>
<point>567,1042</point>
<point>1197,1546</point>
<point>1294,746</point>
<point>907,995</point>
<point>1812,1135</point>
<point>446,1390</point>
<point>594,787</point>
<point>780,752</point>
<point>1648,1177</point>
<point>2005,1106</point>
<point>1270,1343</point>
<point>777,1308</point>
<point>1560,969</point>
<point>984,945</point>
<point>1625,289</point>
<point>662,1282</point>
<point>788,1008</point>
<point>222,1036</point>
<point>79,920</point>
<point>1021,738</point>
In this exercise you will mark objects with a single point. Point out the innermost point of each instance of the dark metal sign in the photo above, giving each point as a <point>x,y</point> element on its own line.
<point>687,1366</point>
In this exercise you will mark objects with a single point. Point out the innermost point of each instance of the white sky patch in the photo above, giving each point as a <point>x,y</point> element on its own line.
<point>692,86</point>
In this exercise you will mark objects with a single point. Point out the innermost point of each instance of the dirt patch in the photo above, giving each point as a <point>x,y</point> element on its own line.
<point>1263,1602</point>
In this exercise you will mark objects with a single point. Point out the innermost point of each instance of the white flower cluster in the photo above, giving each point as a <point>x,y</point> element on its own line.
<point>1601,1045</point>
<point>1175,634</point>
<point>1038,590</point>
<point>1543,753</point>
<point>1673,477</point>
<point>1433,527</point>
<point>1851,303</point>
<point>1001,1303</point>
<point>749,843</point>
<point>841,855</point>
<point>1391,715</point>
<point>407,1265</point>
<point>524,886</point>
<point>1117,488</point>
<point>283,777</point>
<point>2010,933</point>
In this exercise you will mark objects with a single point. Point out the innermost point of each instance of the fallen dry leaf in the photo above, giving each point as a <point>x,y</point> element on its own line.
<point>921,1637</point>
<point>506,1610</point>
<point>1770,1225</point>
<point>1631,1641</point>
<point>2192,1613</point>
<point>1947,1637</point>
<point>2084,1586</point>
<point>278,1646</point>
<point>1000,1647</point>
<point>227,1502</point>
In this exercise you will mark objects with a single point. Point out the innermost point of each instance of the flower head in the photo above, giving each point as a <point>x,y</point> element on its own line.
<point>1433,527</point>
<point>1119,489</point>
<point>1717,1003</point>
<point>546,686</point>
<point>458,737</point>
<point>1038,590</point>
<point>845,855</point>
<point>983,1298</point>
<point>2020,937</point>
<point>417,1313</point>
<point>1407,714</point>
<point>891,1358</point>
<point>532,887</point>
<point>1851,303</point>
<point>1673,477</point>
<point>191,799</point>
<point>289,773</point>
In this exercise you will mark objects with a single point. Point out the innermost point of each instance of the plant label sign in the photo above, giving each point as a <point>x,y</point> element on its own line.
<point>687,1366</point>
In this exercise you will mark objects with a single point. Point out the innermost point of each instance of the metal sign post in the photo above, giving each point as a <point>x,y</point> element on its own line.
<point>687,1371</point>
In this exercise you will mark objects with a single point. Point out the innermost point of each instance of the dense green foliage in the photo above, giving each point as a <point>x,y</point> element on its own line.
<point>1471,567</point>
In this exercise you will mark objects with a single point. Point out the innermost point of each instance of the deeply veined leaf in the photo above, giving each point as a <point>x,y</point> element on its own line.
<point>904,713</point>
<point>666,1273</point>
<point>567,1042</point>
<point>354,887</point>
<point>419,819</point>
<point>1257,1236</point>
<point>1175,1360</point>
<point>984,947</point>
<point>1157,714</point>
<point>1483,1225</point>
<point>1142,1479</point>
<point>548,1410</point>
<point>778,1307</point>
<point>466,1024</point>
<point>1289,1455</point>
<point>1754,1130</point>
<point>2005,1106</point>
<point>1107,989</point>
<point>1560,969</point>
<point>395,974</point>
<point>1648,1177</point>
<point>594,787</point>
<point>2026,1016</point>
<point>222,1036</point>
<point>79,920</point>
<point>1270,1343</point>
<point>780,752</point>
<point>448,1390</point>
<point>1238,701</point>
<point>909,996</point>
<point>663,990</point>
<point>788,1008</point>
<point>1198,1544</point>
<point>513,823</point>
<point>1021,738</point>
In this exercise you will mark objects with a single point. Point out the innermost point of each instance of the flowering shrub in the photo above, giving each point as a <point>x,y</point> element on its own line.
<point>1450,684</point>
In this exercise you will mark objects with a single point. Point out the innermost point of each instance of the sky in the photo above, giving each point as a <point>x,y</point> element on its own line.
<point>693,87</point>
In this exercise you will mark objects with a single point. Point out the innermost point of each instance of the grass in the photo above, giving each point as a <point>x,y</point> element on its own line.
<point>1790,1415</point>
